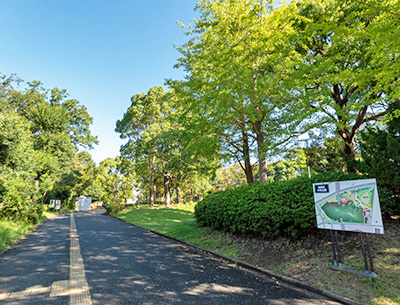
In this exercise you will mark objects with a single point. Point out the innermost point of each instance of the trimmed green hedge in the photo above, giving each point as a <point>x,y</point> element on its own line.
<point>272,209</point>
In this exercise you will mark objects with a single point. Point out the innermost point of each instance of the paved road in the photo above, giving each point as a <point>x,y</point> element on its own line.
<point>90,258</point>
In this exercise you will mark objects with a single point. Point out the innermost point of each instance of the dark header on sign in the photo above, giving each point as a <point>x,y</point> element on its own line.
<point>322,188</point>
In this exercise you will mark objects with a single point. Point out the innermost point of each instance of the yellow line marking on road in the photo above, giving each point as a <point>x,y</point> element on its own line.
<point>78,287</point>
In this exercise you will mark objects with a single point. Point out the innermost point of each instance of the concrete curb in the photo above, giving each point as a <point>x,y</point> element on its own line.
<point>266,272</point>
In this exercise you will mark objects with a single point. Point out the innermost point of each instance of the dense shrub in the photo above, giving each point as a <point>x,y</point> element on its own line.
<point>272,209</point>
<point>114,208</point>
<point>28,213</point>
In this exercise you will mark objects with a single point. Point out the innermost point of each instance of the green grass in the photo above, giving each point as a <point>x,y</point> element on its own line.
<point>11,231</point>
<point>179,222</point>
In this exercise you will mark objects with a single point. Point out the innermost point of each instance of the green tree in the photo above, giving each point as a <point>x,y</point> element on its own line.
<point>117,180</point>
<point>380,146</point>
<point>235,74</point>
<point>111,181</point>
<point>325,154</point>
<point>345,69</point>
<point>140,125</point>
<point>17,159</point>
<point>88,179</point>
<point>161,147</point>
<point>58,125</point>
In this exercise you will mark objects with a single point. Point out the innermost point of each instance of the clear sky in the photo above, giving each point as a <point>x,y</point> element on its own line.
<point>102,52</point>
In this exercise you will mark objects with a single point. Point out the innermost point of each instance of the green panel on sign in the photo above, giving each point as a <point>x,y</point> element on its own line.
<point>348,212</point>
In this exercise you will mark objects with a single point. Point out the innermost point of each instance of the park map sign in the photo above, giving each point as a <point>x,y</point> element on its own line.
<point>348,206</point>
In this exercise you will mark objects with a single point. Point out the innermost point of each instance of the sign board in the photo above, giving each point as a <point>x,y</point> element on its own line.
<point>131,201</point>
<point>348,206</point>
<point>83,203</point>
<point>55,204</point>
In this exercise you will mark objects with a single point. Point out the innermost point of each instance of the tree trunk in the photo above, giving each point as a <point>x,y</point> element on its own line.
<point>152,191</point>
<point>115,191</point>
<point>246,156</point>
<point>349,148</point>
<point>191,195</point>
<point>350,151</point>
<point>37,181</point>
<point>261,154</point>
<point>167,189</point>
<point>152,183</point>
<point>178,195</point>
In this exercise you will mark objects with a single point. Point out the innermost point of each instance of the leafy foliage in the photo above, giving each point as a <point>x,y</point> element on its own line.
<point>161,151</point>
<point>40,132</point>
<point>114,208</point>
<point>235,74</point>
<point>345,68</point>
<point>380,147</point>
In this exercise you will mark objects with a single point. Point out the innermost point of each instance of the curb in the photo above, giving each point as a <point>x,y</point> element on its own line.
<point>266,272</point>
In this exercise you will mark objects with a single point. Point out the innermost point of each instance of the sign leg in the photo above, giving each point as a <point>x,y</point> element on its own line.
<point>333,249</point>
<point>369,253</point>
<point>364,253</point>
<point>338,249</point>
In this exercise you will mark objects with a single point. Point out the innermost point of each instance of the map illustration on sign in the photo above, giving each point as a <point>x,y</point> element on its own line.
<point>348,206</point>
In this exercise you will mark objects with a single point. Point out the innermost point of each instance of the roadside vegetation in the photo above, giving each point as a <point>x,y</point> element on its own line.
<point>13,230</point>
<point>306,257</point>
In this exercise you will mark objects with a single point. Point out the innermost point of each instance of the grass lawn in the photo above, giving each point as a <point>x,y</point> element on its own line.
<point>11,231</point>
<point>179,222</point>
<point>307,258</point>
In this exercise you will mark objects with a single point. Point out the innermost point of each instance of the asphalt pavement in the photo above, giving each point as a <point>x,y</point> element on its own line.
<point>91,258</point>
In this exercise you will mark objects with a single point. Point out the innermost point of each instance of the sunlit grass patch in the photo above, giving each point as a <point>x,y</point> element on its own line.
<point>11,231</point>
<point>178,221</point>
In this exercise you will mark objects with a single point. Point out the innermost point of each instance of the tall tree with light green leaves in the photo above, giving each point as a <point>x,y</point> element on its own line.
<point>348,68</point>
<point>237,58</point>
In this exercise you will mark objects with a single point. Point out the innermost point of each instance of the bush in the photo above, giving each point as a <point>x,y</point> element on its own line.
<point>272,209</point>
<point>28,213</point>
<point>114,208</point>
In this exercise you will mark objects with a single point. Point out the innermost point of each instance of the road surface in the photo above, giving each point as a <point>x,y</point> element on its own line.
<point>90,258</point>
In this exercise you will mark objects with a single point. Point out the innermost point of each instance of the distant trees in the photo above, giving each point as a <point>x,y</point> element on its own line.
<point>41,131</point>
<point>160,148</point>
<point>380,157</point>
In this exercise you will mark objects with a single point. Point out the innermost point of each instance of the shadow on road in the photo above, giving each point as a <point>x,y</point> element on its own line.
<point>128,265</point>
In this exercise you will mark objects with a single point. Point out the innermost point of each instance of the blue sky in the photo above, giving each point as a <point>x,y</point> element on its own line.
<point>101,52</point>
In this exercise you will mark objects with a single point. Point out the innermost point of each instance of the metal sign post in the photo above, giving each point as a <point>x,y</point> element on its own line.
<point>367,254</point>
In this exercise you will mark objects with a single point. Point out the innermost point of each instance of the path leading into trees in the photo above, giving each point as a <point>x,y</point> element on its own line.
<point>90,258</point>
